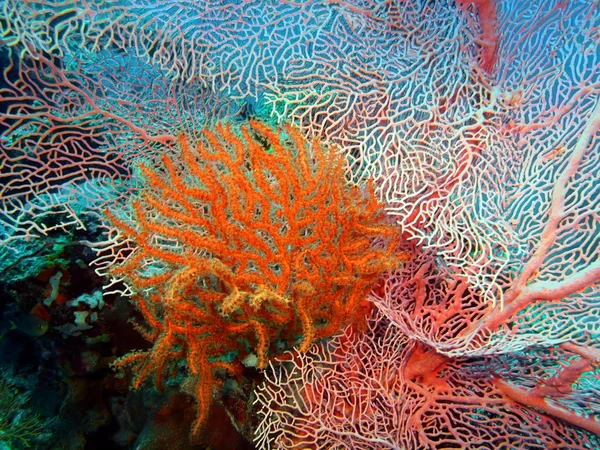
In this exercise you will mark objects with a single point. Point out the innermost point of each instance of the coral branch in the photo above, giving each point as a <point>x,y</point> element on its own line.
<point>532,400</point>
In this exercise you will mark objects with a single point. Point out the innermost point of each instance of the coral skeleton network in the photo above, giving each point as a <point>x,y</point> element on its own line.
<point>312,224</point>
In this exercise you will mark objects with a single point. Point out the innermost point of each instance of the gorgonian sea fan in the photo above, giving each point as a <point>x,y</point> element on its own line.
<point>383,390</point>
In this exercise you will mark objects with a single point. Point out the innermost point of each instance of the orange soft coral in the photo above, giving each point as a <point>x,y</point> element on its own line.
<point>248,239</point>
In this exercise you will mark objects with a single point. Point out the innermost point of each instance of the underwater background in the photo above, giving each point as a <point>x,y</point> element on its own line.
<point>326,224</point>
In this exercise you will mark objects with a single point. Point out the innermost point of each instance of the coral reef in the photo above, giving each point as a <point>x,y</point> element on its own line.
<point>476,121</point>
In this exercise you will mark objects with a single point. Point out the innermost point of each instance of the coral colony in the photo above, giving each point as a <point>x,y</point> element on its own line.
<point>320,224</point>
<point>244,246</point>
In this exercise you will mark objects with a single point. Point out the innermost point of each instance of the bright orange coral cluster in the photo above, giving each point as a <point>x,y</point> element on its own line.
<point>248,241</point>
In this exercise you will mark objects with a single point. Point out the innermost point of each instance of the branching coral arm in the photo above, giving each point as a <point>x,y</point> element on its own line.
<point>557,207</point>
